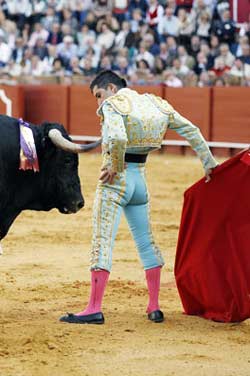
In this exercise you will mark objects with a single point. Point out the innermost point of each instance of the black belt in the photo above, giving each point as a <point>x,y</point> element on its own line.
<point>135,158</point>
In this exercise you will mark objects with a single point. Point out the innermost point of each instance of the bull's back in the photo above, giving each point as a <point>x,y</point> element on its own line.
<point>9,141</point>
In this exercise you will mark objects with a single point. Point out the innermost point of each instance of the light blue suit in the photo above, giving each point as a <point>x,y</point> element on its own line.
<point>135,124</point>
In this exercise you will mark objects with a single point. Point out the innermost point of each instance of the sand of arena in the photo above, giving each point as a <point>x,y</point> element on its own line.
<point>44,273</point>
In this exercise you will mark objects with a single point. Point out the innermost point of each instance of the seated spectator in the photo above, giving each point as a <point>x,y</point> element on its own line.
<point>138,4</point>
<point>184,58</point>
<point>87,66</point>
<point>214,46</point>
<point>225,55</point>
<point>18,52</point>
<point>204,80</point>
<point>136,21</point>
<point>67,49</point>
<point>40,49</point>
<point>55,35</point>
<point>122,65</point>
<point>204,26</point>
<point>35,68</point>
<point>219,82</point>
<point>154,14</point>
<point>105,63</point>
<point>237,69</point>
<point>102,7</point>
<point>201,63</point>
<point>245,29</point>
<point>143,54</point>
<point>150,44</point>
<point>186,27</point>
<point>38,33</point>
<point>84,35</point>
<point>58,68</point>
<point>225,28</point>
<point>68,18</point>
<point>172,49</point>
<point>121,37</point>
<point>200,7</point>
<point>48,61</point>
<point>142,69</point>
<point>159,66</point>
<point>220,67</point>
<point>106,38</point>
<point>19,11</point>
<point>120,8</point>
<point>178,69</point>
<point>194,47</point>
<point>245,55</point>
<point>91,21</point>
<point>73,67</point>
<point>14,69</point>
<point>170,80</point>
<point>169,24</point>
<point>49,19</point>
<point>5,51</point>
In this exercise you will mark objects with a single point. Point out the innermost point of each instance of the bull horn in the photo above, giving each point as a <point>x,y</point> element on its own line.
<point>58,140</point>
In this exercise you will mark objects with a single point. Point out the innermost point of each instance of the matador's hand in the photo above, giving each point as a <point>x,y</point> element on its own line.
<point>107,175</point>
<point>208,174</point>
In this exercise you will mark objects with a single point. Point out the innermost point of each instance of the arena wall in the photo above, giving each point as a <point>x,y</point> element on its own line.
<point>222,114</point>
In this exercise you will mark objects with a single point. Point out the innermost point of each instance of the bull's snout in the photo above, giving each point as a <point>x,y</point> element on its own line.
<point>80,204</point>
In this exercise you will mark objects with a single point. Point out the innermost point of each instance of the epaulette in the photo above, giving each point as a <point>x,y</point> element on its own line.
<point>162,104</point>
<point>121,103</point>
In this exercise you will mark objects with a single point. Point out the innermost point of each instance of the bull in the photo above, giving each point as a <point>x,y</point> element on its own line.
<point>56,185</point>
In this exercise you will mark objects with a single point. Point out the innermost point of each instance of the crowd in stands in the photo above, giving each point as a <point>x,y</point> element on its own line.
<point>178,43</point>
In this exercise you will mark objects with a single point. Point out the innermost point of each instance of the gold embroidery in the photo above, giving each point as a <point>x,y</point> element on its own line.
<point>121,104</point>
<point>162,104</point>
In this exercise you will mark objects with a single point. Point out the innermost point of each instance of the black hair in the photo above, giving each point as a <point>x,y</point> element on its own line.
<point>103,79</point>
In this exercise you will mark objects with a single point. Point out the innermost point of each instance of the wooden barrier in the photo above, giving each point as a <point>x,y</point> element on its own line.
<point>14,107</point>
<point>46,103</point>
<point>231,114</point>
<point>82,112</point>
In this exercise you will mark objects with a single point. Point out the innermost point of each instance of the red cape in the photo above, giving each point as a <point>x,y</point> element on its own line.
<point>212,266</point>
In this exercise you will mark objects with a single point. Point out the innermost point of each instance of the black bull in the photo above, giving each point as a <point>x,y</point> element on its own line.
<point>57,185</point>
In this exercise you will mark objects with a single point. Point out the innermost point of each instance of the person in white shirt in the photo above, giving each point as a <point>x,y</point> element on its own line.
<point>169,24</point>
<point>5,52</point>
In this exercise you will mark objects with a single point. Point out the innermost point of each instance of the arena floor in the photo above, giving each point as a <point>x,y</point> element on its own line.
<point>44,273</point>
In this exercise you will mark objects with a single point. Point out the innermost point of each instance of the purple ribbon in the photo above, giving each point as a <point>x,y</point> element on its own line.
<point>28,151</point>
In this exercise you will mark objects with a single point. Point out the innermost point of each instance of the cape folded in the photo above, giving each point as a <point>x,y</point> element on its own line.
<point>212,266</point>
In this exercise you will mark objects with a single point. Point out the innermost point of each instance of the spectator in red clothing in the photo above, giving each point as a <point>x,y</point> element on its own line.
<point>154,14</point>
<point>220,68</point>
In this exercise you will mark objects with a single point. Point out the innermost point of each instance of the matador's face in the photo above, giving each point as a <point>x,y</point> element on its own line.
<point>101,94</point>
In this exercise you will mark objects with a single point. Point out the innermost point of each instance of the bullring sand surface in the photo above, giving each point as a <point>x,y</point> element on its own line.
<point>44,273</point>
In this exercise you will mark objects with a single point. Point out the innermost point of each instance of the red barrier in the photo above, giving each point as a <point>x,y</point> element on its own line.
<point>231,114</point>
<point>46,103</point>
<point>16,95</point>
<point>82,112</point>
<point>192,103</point>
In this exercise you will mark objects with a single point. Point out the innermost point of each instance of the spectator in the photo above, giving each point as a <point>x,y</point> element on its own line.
<point>102,7</point>
<point>178,69</point>
<point>40,49</point>
<point>159,66</point>
<point>73,67</point>
<point>225,28</point>
<point>106,38</point>
<point>184,58</point>
<point>49,19</point>
<point>170,80</point>
<point>169,24</point>
<point>55,35</point>
<point>18,52</point>
<point>138,4</point>
<point>204,26</point>
<point>67,49</point>
<point>39,33</point>
<point>204,80</point>
<point>5,51</point>
<point>154,14</point>
<point>201,64</point>
<point>87,66</point>
<point>186,27</point>
<point>121,37</point>
<point>143,54</point>
<point>84,35</point>
<point>120,8</point>
<point>245,55</point>
<point>58,68</point>
<point>195,44</point>
<point>150,45</point>
<point>237,69</point>
<point>220,67</point>
<point>225,55</point>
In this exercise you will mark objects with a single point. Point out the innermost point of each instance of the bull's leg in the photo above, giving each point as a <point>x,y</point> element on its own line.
<point>6,220</point>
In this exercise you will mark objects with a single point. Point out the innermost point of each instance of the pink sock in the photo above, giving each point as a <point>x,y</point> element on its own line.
<point>153,277</point>
<point>99,281</point>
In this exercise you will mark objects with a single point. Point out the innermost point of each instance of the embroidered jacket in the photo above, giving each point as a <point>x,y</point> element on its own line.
<point>136,123</point>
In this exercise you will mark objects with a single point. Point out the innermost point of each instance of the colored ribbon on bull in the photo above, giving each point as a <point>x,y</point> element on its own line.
<point>28,155</point>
